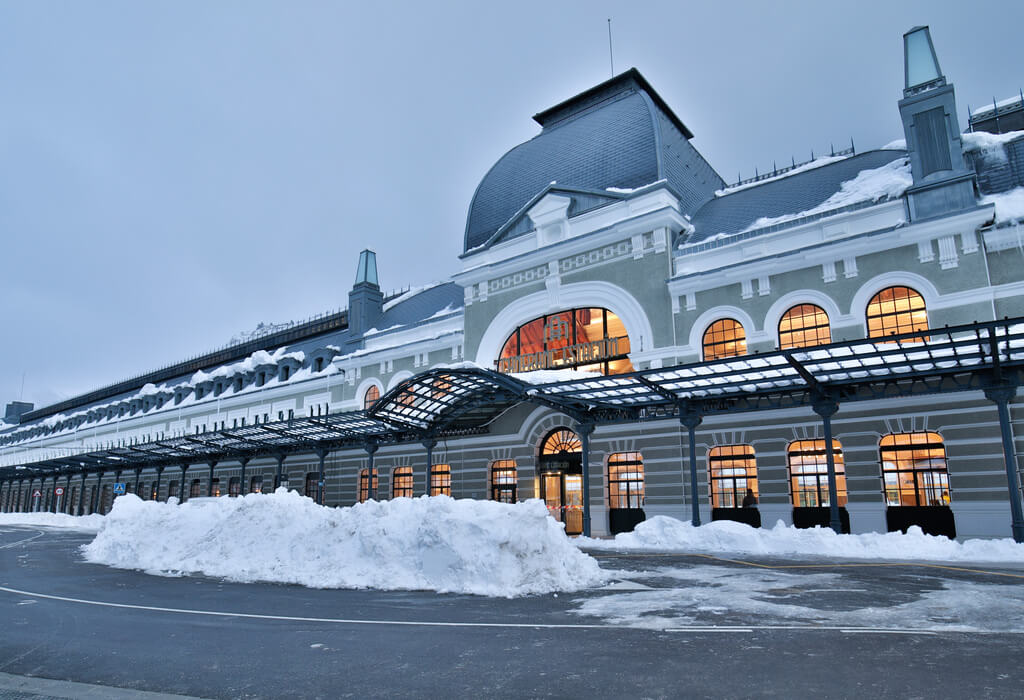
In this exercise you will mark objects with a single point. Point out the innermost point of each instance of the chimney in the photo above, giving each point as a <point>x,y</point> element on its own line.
<point>942,181</point>
<point>365,301</point>
<point>15,410</point>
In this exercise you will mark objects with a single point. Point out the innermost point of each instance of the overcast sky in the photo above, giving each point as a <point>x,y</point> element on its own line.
<point>172,173</point>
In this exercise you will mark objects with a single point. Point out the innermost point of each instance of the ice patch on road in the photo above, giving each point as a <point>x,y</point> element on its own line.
<point>436,543</point>
<point>82,523</point>
<point>710,595</point>
<point>662,533</point>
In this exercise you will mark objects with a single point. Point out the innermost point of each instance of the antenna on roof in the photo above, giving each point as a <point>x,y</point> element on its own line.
<point>853,149</point>
<point>611,60</point>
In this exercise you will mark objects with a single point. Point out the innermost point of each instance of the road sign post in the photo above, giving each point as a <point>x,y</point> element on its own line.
<point>59,493</point>
<point>119,488</point>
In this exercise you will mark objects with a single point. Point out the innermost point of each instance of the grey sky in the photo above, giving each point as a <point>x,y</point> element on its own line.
<point>172,173</point>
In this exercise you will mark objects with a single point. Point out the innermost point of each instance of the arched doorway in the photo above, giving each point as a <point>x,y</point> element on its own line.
<point>561,478</point>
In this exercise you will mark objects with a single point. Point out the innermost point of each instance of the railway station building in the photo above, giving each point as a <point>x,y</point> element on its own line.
<point>629,336</point>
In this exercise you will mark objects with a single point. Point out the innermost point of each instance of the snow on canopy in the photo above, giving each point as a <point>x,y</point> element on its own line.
<point>428,543</point>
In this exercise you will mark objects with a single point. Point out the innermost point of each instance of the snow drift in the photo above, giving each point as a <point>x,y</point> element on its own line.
<point>436,543</point>
<point>85,523</point>
<point>662,533</point>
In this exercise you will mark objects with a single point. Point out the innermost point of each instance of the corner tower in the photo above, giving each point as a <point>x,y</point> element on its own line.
<point>365,301</point>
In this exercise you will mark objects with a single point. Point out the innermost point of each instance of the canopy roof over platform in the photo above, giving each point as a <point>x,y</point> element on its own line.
<point>463,400</point>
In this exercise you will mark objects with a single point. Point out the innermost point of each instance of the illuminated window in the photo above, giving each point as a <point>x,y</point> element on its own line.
<point>401,482</point>
<point>312,484</point>
<point>503,481</point>
<point>234,486</point>
<point>440,480</point>
<point>914,469</point>
<point>256,484</point>
<point>195,490</point>
<point>370,397</point>
<point>724,338</point>
<point>173,488</point>
<point>215,487</point>
<point>733,470</point>
<point>804,326</point>
<point>562,441</point>
<point>808,473</point>
<point>592,339</point>
<point>625,480</point>
<point>896,310</point>
<point>364,485</point>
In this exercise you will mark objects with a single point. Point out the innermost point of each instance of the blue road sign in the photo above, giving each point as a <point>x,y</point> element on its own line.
<point>119,489</point>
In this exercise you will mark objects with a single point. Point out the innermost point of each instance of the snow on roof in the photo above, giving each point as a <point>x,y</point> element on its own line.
<point>888,181</point>
<point>547,376</point>
<point>410,293</point>
<point>1009,205</point>
<point>816,163</point>
<point>1001,103</point>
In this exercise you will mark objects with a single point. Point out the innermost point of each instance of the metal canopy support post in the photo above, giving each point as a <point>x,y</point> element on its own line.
<point>138,473</point>
<point>209,482</point>
<point>371,492</point>
<point>156,491</point>
<point>1001,397</point>
<point>96,493</point>
<point>67,494</point>
<point>429,444</point>
<point>690,418</point>
<point>81,498</point>
<point>585,430</point>
<point>181,486</point>
<point>241,486</point>
<point>280,470</point>
<point>321,455</point>
<point>826,407</point>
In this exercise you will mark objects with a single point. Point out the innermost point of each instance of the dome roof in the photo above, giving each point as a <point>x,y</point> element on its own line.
<point>617,134</point>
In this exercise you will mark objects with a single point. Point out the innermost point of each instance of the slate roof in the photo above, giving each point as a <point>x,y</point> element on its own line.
<point>734,212</point>
<point>617,134</point>
<point>423,306</point>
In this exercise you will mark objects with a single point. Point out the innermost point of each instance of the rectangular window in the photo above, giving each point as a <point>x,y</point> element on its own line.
<point>401,482</point>
<point>808,472</point>
<point>440,480</point>
<point>733,471</point>
<point>503,481</point>
<point>914,469</point>
<point>625,480</point>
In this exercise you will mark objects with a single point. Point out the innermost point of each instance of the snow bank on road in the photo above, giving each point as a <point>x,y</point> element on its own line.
<point>662,533</point>
<point>85,523</point>
<point>438,543</point>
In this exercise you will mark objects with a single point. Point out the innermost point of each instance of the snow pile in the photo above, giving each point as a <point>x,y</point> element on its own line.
<point>988,143</point>
<point>889,181</point>
<point>550,376</point>
<point>438,543</point>
<point>662,533</point>
<point>85,523</point>
<point>1009,205</point>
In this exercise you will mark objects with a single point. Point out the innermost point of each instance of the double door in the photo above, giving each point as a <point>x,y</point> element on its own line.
<point>563,494</point>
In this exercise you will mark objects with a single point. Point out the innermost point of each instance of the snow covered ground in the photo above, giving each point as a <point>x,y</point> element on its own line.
<point>85,523</point>
<point>666,534</point>
<point>438,543</point>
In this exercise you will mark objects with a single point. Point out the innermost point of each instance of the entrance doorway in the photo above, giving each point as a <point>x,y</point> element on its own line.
<point>561,478</point>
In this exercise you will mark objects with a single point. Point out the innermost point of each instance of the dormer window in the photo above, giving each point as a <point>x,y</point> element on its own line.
<point>286,372</point>
<point>238,384</point>
<point>318,364</point>
<point>261,379</point>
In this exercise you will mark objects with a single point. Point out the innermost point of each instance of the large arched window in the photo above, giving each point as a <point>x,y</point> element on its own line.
<point>503,481</point>
<point>896,310</point>
<point>733,470</point>
<point>561,441</point>
<point>625,480</point>
<point>256,484</point>
<point>808,473</point>
<point>592,340</point>
<point>370,397</point>
<point>914,469</point>
<point>364,485</point>
<point>724,338</point>
<point>804,326</point>
<point>401,482</point>
<point>440,480</point>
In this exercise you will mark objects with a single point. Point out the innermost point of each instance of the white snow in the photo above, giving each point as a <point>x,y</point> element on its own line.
<point>983,140</point>
<point>897,145</point>
<point>410,293</point>
<point>85,523</point>
<point>816,163</point>
<point>436,543</point>
<point>549,376</point>
<point>1001,103</point>
<point>1009,205</point>
<point>890,180</point>
<point>662,533</point>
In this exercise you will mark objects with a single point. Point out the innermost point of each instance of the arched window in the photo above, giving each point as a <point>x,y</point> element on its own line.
<point>215,488</point>
<point>733,470</point>
<point>312,484</point>
<point>195,489</point>
<point>724,338</point>
<point>503,481</point>
<point>173,488</point>
<point>562,441</point>
<point>256,484</point>
<point>441,480</point>
<point>234,486</point>
<point>364,484</point>
<point>808,473</point>
<point>625,480</point>
<point>914,469</point>
<point>804,326</point>
<point>896,310</point>
<point>591,339</point>
<point>401,482</point>
<point>370,397</point>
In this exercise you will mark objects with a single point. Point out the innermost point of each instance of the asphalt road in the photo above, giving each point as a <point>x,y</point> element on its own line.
<point>673,626</point>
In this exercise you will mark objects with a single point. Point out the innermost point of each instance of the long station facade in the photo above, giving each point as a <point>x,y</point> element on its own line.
<point>838,342</point>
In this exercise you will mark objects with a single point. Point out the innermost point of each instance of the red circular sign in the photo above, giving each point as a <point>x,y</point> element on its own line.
<point>59,491</point>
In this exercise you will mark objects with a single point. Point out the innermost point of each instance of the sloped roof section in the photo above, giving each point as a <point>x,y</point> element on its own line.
<point>617,134</point>
<point>803,191</point>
